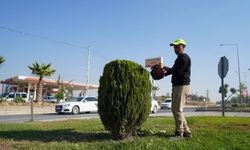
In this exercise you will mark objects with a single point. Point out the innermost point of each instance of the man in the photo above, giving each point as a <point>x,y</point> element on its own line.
<point>180,72</point>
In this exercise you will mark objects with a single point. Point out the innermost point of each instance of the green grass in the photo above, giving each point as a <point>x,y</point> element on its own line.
<point>209,133</point>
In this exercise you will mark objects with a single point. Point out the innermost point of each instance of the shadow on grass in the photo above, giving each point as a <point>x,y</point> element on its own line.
<point>55,135</point>
<point>68,135</point>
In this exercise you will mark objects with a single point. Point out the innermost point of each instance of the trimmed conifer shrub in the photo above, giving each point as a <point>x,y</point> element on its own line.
<point>124,99</point>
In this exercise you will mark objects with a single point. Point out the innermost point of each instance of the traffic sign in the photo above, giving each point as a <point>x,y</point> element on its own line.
<point>223,67</point>
<point>222,71</point>
<point>244,92</point>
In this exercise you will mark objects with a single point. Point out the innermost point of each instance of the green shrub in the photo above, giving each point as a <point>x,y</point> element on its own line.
<point>124,99</point>
<point>19,100</point>
<point>60,95</point>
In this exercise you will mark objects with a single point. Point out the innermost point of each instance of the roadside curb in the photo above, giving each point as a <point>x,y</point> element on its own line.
<point>24,110</point>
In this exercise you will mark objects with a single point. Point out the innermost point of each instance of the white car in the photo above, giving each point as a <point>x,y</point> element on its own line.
<point>154,106</point>
<point>77,105</point>
<point>166,104</point>
<point>13,95</point>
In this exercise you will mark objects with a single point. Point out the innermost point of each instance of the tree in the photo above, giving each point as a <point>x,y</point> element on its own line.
<point>2,60</point>
<point>233,91</point>
<point>63,90</point>
<point>60,95</point>
<point>124,97</point>
<point>41,70</point>
<point>224,90</point>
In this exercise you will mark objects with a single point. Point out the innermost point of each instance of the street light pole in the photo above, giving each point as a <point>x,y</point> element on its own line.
<point>238,59</point>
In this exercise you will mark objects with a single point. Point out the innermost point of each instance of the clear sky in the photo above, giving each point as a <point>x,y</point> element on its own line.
<point>128,29</point>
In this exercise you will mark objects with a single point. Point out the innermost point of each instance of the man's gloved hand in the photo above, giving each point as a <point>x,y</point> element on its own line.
<point>157,72</point>
<point>165,69</point>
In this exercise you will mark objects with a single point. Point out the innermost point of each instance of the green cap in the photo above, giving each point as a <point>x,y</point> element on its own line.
<point>178,42</point>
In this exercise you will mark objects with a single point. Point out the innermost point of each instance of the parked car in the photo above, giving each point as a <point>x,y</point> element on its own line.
<point>10,97</point>
<point>77,105</point>
<point>3,95</point>
<point>49,99</point>
<point>154,106</point>
<point>166,104</point>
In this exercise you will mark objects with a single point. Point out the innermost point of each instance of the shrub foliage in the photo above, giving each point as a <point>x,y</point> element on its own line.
<point>124,97</point>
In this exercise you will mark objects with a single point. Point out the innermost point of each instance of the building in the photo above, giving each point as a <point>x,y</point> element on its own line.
<point>29,84</point>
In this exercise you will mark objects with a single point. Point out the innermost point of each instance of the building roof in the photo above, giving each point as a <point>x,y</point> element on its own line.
<point>25,80</point>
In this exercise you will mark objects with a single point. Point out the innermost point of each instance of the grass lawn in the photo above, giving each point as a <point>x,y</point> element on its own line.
<point>209,133</point>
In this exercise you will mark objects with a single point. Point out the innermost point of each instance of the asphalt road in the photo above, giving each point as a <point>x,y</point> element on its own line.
<point>55,117</point>
<point>45,117</point>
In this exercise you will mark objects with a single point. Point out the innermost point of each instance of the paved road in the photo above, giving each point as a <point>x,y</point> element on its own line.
<point>45,117</point>
<point>55,116</point>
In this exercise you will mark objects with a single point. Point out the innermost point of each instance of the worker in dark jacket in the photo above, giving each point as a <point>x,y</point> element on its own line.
<point>180,72</point>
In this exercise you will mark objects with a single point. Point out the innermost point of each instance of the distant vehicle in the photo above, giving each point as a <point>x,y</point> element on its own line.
<point>49,99</point>
<point>4,95</point>
<point>10,97</point>
<point>77,105</point>
<point>154,106</point>
<point>166,104</point>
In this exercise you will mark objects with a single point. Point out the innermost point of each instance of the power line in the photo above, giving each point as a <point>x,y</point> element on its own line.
<point>49,39</point>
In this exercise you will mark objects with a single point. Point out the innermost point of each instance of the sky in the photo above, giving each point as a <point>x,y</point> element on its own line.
<point>60,31</point>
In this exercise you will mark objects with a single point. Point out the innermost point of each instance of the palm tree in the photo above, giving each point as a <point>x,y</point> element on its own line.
<point>2,59</point>
<point>41,70</point>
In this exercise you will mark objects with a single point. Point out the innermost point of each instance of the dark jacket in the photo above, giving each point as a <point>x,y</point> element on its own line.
<point>180,71</point>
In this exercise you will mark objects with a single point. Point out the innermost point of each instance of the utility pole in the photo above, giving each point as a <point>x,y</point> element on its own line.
<point>88,68</point>
<point>208,99</point>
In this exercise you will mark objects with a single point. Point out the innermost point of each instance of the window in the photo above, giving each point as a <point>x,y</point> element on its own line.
<point>89,99</point>
<point>11,96</point>
<point>24,95</point>
<point>77,99</point>
<point>168,101</point>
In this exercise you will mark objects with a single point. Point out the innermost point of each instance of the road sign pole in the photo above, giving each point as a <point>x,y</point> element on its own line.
<point>222,71</point>
<point>222,85</point>
<point>222,97</point>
